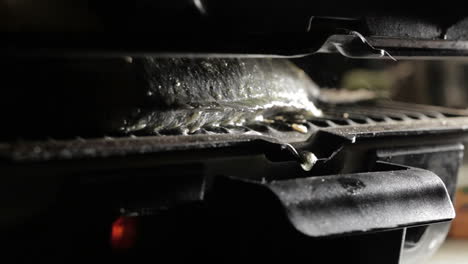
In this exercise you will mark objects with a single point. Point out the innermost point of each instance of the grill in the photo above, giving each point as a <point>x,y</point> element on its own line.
<point>89,175</point>
<point>245,192</point>
<point>375,118</point>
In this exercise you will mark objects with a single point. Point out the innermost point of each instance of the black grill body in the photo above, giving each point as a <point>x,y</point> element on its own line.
<point>382,185</point>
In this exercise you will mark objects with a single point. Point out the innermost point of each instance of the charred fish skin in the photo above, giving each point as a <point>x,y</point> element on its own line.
<point>189,94</point>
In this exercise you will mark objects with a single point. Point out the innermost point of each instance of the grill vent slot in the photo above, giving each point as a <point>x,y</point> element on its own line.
<point>377,113</point>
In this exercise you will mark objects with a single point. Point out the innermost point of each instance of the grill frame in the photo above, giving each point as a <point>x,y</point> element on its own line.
<point>434,120</point>
<point>107,168</point>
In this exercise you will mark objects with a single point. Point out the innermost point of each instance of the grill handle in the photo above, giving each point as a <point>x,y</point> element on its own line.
<point>340,204</point>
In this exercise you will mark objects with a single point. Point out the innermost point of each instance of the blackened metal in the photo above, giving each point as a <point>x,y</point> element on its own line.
<point>443,160</point>
<point>212,28</point>
<point>234,45</point>
<point>101,148</point>
<point>398,47</point>
<point>337,204</point>
<point>355,46</point>
<point>326,136</point>
<point>402,27</point>
<point>241,193</point>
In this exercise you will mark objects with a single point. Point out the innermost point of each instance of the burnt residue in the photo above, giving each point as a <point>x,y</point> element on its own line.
<point>189,94</point>
<point>352,186</point>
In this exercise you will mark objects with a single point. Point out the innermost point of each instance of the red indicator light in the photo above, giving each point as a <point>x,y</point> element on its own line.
<point>123,233</point>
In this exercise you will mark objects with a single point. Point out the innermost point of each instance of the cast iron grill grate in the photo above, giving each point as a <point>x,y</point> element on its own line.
<point>379,112</point>
<point>364,119</point>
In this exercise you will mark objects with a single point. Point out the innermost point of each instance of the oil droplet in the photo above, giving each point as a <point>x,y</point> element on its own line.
<point>128,59</point>
<point>308,160</point>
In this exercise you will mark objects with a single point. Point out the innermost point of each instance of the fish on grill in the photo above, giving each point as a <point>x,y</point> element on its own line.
<point>186,95</point>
